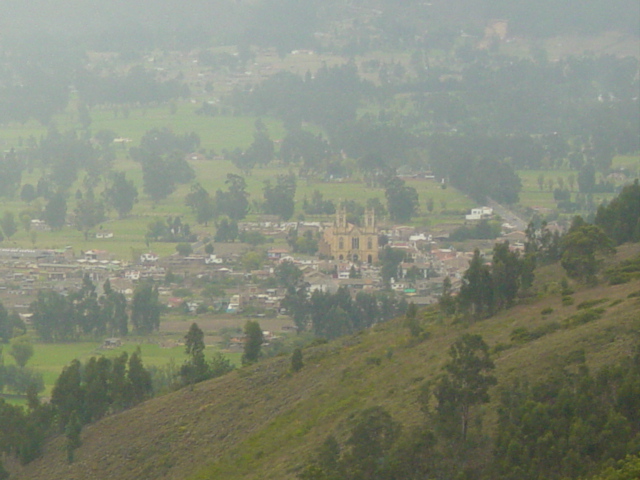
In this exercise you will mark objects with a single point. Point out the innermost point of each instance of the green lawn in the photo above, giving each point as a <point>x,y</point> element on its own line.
<point>50,358</point>
<point>216,133</point>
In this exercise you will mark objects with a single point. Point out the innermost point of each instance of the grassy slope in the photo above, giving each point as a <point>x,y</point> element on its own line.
<point>262,422</point>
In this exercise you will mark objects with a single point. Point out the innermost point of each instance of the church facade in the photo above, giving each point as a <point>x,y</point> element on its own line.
<point>348,242</point>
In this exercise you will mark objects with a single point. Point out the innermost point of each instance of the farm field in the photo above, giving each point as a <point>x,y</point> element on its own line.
<point>50,358</point>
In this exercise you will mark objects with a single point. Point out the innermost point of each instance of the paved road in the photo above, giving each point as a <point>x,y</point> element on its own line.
<point>507,215</point>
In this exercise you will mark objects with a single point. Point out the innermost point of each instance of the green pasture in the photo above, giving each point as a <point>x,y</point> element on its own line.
<point>129,233</point>
<point>628,162</point>
<point>534,196</point>
<point>50,358</point>
<point>216,133</point>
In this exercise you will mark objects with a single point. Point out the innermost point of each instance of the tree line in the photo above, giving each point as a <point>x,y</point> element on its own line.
<point>331,315</point>
<point>85,314</point>
<point>489,288</point>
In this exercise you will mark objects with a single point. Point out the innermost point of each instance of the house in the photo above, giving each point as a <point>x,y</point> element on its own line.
<point>98,255</point>
<point>234,304</point>
<point>356,284</point>
<point>277,253</point>
<point>149,257</point>
<point>479,213</point>
<point>132,275</point>
<point>212,259</point>
<point>110,343</point>
<point>39,226</point>
<point>321,282</point>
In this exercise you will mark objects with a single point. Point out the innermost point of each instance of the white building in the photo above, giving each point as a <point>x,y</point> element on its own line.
<point>479,213</point>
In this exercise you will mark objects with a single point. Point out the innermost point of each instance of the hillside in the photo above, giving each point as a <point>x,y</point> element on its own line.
<point>262,422</point>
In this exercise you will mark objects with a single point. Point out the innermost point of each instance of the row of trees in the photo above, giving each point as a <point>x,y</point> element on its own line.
<point>84,313</point>
<point>487,289</point>
<point>330,315</point>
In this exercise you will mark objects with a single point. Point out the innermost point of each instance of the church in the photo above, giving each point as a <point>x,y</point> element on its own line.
<point>345,241</point>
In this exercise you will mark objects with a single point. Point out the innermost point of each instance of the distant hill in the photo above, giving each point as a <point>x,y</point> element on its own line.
<point>264,422</point>
<point>293,24</point>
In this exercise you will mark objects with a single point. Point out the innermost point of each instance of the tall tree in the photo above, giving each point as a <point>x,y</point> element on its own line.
<point>373,435</point>
<point>252,343</point>
<point>158,179</point>
<point>55,212</point>
<point>201,203</point>
<point>89,212</point>
<point>465,382</point>
<point>8,224</point>
<point>53,317</point>
<point>288,274</point>
<point>68,393</point>
<point>476,293</point>
<point>121,194</point>
<point>195,369</point>
<point>139,378</point>
<point>580,246</point>
<point>402,201</point>
<point>621,217</point>
<point>226,230</point>
<point>506,275</point>
<point>145,308</point>
<point>279,199</point>
<point>234,202</point>
<point>21,350</point>
<point>113,310</point>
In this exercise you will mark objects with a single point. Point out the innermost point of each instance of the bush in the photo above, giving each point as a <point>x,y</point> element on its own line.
<point>184,249</point>
<point>547,311</point>
<point>520,335</point>
<point>591,303</point>
<point>566,301</point>
<point>373,361</point>
<point>500,347</point>
<point>523,335</point>
<point>296,360</point>
<point>565,288</point>
<point>583,317</point>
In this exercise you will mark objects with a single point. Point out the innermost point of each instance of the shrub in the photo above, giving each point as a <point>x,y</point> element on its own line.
<point>296,360</point>
<point>373,361</point>
<point>500,347</point>
<point>520,335</point>
<point>583,317</point>
<point>566,301</point>
<point>591,303</point>
<point>565,288</point>
<point>547,311</point>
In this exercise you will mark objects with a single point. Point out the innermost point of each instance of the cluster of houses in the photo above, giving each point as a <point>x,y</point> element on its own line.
<point>348,257</point>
